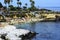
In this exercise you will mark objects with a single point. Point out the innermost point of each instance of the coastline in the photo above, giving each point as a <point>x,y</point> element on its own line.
<point>28,18</point>
<point>16,21</point>
<point>25,21</point>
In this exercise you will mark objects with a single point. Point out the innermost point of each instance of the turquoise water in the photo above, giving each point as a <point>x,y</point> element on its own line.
<point>46,30</point>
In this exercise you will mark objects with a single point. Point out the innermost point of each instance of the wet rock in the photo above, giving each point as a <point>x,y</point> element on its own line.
<point>3,36</point>
<point>30,35</point>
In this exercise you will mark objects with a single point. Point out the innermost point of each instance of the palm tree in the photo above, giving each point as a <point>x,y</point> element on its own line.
<point>7,2</point>
<point>31,0</point>
<point>26,5</point>
<point>32,5</point>
<point>18,2</point>
<point>1,5</point>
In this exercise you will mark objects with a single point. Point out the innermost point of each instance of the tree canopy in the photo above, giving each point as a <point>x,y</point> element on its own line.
<point>1,5</point>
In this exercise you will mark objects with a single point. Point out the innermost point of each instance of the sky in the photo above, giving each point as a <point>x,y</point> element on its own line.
<point>38,3</point>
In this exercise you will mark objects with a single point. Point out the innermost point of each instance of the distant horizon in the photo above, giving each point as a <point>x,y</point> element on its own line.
<point>51,8</point>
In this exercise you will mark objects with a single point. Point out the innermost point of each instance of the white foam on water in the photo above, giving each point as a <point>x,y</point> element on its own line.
<point>7,29</point>
<point>12,37</point>
<point>20,32</point>
<point>12,32</point>
<point>0,39</point>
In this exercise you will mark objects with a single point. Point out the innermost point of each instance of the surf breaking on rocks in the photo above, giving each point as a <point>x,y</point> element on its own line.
<point>9,32</point>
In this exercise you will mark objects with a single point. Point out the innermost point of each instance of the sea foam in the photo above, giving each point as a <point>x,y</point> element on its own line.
<point>12,33</point>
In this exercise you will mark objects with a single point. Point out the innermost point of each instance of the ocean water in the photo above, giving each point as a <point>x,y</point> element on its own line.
<point>52,8</point>
<point>46,30</point>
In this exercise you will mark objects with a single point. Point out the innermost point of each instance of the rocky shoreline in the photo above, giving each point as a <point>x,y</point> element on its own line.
<point>10,32</point>
<point>19,21</point>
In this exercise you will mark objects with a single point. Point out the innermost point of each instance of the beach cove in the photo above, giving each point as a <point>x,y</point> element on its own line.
<point>46,30</point>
